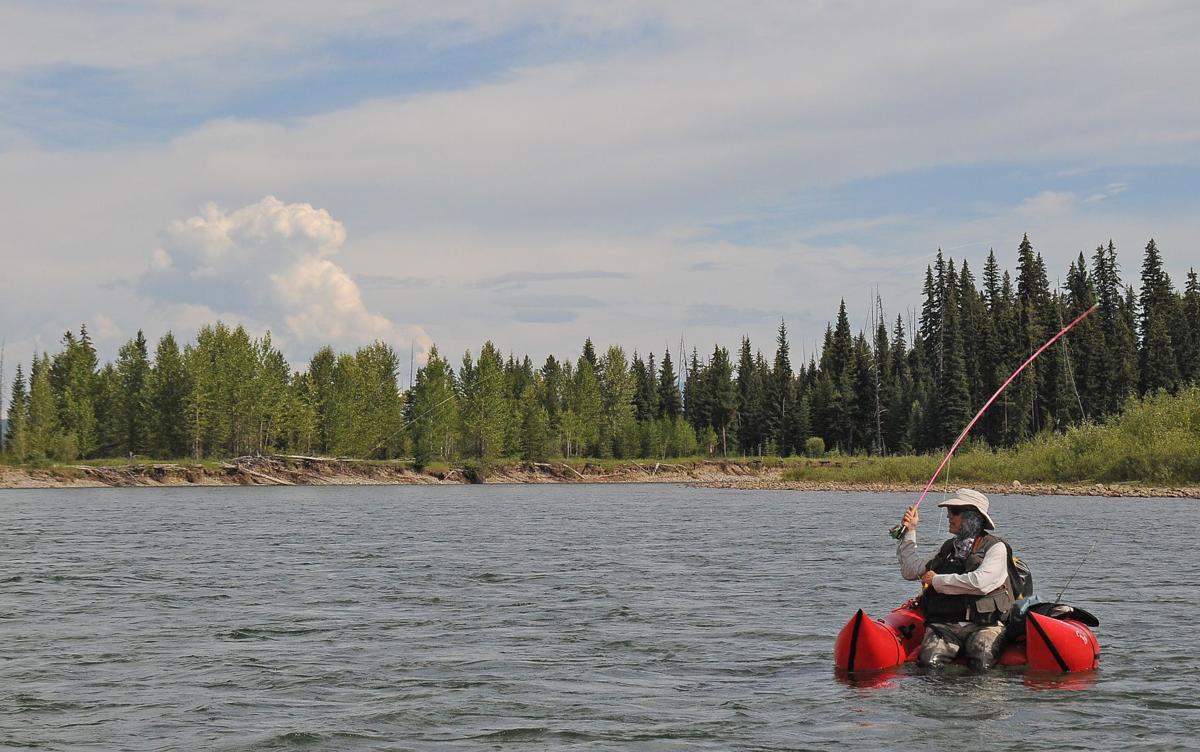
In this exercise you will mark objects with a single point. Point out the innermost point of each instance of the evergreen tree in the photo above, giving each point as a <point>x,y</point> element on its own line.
<point>73,382</point>
<point>589,354</point>
<point>483,410</point>
<point>1118,369</point>
<point>695,399</point>
<point>320,376</point>
<point>133,398</point>
<point>899,406</point>
<point>617,390</point>
<point>1083,348</point>
<point>434,409</point>
<point>722,395</point>
<point>585,412</point>
<point>1159,368</point>
<point>953,403</point>
<point>46,439</point>
<point>645,390</point>
<point>670,401</point>
<point>750,390</point>
<point>1189,354</point>
<point>535,425</point>
<point>780,396</point>
<point>16,439</point>
<point>169,387</point>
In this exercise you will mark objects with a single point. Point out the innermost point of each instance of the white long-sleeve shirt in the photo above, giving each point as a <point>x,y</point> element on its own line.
<point>989,576</point>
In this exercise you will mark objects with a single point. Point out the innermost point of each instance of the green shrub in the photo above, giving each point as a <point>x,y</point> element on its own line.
<point>814,447</point>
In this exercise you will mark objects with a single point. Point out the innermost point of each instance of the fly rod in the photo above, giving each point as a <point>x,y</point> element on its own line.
<point>898,531</point>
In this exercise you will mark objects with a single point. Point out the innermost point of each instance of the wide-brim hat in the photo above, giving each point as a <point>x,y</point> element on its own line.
<point>969,497</point>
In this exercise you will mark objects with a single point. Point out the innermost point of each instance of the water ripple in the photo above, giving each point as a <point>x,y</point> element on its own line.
<point>589,617</point>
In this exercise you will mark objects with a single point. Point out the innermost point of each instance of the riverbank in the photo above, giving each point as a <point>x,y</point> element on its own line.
<point>743,474</point>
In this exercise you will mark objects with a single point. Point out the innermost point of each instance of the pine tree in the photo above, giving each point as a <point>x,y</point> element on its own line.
<point>617,389</point>
<point>1031,403</point>
<point>780,396</point>
<point>46,439</point>
<point>535,425</point>
<point>434,409</point>
<point>1118,369</point>
<point>899,406</point>
<point>320,375</point>
<point>133,398</point>
<point>695,397</point>
<point>1158,365</point>
<point>722,395</point>
<point>645,390</point>
<point>1189,358</point>
<point>169,387</point>
<point>750,390</point>
<point>953,388</point>
<point>483,411</point>
<point>73,381</point>
<point>670,401</point>
<point>16,440</point>
<point>585,412</point>
<point>1083,348</point>
<point>589,354</point>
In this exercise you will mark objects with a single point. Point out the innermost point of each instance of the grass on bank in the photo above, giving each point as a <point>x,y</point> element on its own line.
<point>1155,441</point>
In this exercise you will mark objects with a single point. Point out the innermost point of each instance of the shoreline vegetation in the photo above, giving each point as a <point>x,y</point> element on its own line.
<point>758,474</point>
<point>1152,448</point>
<point>1116,402</point>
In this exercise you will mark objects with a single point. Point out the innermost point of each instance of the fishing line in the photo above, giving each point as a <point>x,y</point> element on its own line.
<point>1058,597</point>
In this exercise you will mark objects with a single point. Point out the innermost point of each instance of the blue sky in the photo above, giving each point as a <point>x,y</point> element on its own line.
<point>536,173</point>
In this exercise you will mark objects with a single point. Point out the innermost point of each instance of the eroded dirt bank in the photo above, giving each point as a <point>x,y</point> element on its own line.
<point>324,471</point>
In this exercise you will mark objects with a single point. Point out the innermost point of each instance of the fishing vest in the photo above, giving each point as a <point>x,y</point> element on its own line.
<point>990,608</point>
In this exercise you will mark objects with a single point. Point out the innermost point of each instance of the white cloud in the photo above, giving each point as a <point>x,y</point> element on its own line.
<point>269,261</point>
<point>1047,203</point>
<point>612,163</point>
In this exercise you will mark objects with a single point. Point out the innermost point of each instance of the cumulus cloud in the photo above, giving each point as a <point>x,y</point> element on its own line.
<point>269,261</point>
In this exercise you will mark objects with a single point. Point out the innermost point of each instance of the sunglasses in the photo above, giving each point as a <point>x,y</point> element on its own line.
<point>954,511</point>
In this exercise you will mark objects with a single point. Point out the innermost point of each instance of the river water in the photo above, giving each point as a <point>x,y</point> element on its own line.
<point>640,617</point>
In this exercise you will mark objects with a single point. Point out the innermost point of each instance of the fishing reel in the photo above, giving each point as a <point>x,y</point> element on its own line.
<point>898,532</point>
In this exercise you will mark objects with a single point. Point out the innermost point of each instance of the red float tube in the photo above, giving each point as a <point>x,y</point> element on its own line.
<point>868,645</point>
<point>1060,645</point>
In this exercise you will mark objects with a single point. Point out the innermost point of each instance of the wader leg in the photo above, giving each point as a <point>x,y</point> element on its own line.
<point>939,646</point>
<point>983,646</point>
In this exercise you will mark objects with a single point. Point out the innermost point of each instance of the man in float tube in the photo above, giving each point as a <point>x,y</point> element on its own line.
<point>967,593</point>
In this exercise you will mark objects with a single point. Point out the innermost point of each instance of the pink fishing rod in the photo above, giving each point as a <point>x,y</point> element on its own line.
<point>898,531</point>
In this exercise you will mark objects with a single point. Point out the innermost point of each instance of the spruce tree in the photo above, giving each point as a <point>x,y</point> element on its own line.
<point>73,381</point>
<point>1158,365</point>
<point>750,389</point>
<point>1118,369</point>
<point>953,388</point>
<point>483,410</point>
<point>16,440</point>
<point>169,387</point>
<point>434,411</point>
<point>320,376</point>
<point>133,397</point>
<point>1083,348</point>
<point>670,401</point>
<point>1189,358</point>
<point>780,396</point>
<point>45,437</point>
<point>722,395</point>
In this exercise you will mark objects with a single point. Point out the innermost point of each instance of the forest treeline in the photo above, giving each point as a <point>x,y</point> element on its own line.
<point>885,390</point>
